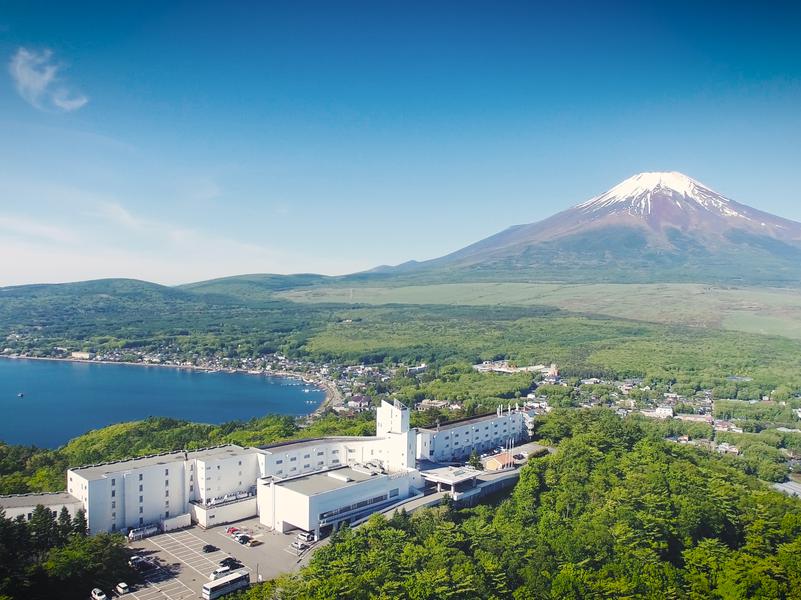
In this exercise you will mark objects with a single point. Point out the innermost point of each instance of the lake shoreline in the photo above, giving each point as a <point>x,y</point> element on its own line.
<point>328,387</point>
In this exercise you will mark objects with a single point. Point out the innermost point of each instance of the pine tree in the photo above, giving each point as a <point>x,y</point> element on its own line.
<point>79,524</point>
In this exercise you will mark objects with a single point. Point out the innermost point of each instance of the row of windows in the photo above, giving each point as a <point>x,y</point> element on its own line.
<point>355,506</point>
<point>467,433</point>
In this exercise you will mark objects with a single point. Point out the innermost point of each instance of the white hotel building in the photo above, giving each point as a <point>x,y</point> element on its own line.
<point>314,485</point>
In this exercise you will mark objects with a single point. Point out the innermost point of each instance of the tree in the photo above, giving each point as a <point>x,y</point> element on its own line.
<point>79,524</point>
<point>474,461</point>
<point>42,528</point>
<point>64,525</point>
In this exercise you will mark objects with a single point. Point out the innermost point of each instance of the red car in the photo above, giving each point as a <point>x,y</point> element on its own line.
<point>232,530</point>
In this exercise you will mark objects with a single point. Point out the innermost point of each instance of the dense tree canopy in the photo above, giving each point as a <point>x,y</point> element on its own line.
<point>52,557</point>
<point>616,512</point>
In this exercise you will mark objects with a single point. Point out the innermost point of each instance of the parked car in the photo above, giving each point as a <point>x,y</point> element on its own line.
<point>210,548</point>
<point>145,565</point>
<point>134,560</point>
<point>243,539</point>
<point>232,530</point>
<point>298,545</point>
<point>231,562</point>
<point>305,536</point>
<point>518,457</point>
<point>122,588</point>
<point>254,542</point>
<point>98,594</point>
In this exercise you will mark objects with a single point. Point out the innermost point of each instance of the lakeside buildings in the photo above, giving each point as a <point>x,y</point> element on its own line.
<point>314,485</point>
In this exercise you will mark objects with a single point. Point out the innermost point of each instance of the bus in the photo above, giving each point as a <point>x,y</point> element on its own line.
<point>226,585</point>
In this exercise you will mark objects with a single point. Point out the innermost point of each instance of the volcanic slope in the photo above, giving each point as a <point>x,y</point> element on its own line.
<point>652,227</point>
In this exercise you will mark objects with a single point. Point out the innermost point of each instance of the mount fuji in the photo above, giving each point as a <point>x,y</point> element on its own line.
<point>652,227</point>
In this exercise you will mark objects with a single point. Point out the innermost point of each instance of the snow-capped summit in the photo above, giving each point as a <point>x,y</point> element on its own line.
<point>642,193</point>
<point>660,226</point>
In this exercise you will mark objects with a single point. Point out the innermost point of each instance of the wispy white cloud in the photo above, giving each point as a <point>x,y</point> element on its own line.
<point>36,78</point>
<point>27,228</point>
<point>119,215</point>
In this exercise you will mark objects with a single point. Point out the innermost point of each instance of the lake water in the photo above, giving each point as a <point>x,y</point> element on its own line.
<point>65,399</point>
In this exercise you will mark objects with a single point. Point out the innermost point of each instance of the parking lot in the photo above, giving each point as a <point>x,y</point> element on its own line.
<point>184,567</point>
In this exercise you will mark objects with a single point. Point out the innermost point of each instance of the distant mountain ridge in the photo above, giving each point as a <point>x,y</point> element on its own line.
<point>656,227</point>
<point>652,227</point>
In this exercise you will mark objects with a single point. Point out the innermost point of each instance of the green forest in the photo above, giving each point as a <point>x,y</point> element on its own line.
<point>51,556</point>
<point>616,512</point>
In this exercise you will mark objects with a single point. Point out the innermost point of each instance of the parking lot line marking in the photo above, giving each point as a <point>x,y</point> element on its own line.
<point>199,572</point>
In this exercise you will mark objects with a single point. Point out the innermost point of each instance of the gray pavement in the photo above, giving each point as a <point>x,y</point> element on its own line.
<point>184,567</point>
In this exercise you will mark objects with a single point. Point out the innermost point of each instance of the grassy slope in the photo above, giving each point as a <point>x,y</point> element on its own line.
<point>771,311</point>
<point>576,343</point>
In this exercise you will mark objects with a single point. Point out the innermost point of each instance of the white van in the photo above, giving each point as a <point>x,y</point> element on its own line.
<point>221,572</point>
<point>305,536</point>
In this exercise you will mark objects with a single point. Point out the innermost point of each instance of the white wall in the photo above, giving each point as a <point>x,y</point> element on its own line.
<point>218,476</point>
<point>455,443</point>
<point>15,511</point>
<point>228,513</point>
<point>283,509</point>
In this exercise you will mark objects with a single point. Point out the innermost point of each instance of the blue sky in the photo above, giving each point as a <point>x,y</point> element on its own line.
<point>178,142</point>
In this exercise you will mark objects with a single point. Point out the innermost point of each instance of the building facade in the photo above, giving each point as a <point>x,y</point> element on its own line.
<point>310,484</point>
<point>456,440</point>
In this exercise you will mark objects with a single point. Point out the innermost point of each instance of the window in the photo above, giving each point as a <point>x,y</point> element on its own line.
<point>306,466</point>
<point>141,510</point>
<point>279,462</point>
<point>166,504</point>
<point>306,456</point>
<point>293,459</point>
<point>113,504</point>
<point>166,493</point>
<point>140,488</point>
<point>166,472</point>
<point>113,515</point>
<point>141,521</point>
<point>393,493</point>
<point>218,467</point>
<point>140,477</point>
<point>191,478</point>
<point>321,462</point>
<point>113,481</point>
<point>167,514</point>
<point>240,463</point>
<point>191,488</point>
<point>320,453</point>
<point>113,493</point>
<point>166,483</point>
<point>141,499</point>
<point>191,467</point>
<point>336,460</point>
<point>293,469</point>
<point>334,451</point>
<point>279,471</point>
